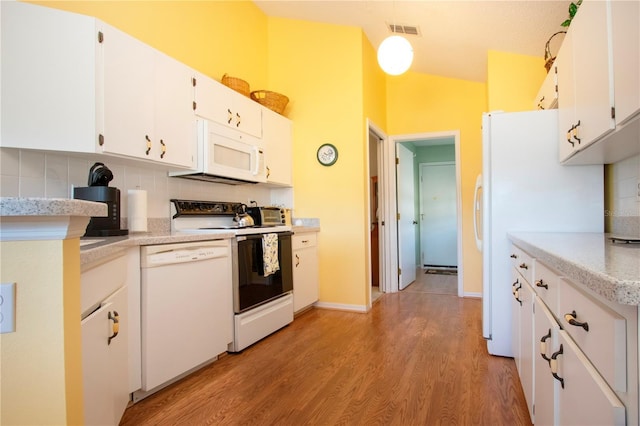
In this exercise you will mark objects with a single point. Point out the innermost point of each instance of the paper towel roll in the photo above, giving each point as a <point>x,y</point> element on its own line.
<point>137,210</point>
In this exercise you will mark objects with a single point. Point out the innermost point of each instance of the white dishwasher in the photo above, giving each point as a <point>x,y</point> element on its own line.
<point>186,308</point>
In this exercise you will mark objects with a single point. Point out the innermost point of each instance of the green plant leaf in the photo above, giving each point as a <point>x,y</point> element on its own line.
<point>566,23</point>
<point>573,8</point>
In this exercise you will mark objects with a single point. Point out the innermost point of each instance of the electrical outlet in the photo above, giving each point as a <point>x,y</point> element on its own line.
<point>7,307</point>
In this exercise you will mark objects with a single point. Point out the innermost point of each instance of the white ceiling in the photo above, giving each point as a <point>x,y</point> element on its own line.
<point>455,35</point>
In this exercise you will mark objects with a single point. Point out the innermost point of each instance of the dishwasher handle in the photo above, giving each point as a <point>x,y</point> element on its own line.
<point>176,254</point>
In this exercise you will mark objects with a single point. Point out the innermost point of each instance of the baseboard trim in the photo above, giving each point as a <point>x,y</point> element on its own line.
<point>474,295</point>
<point>341,307</point>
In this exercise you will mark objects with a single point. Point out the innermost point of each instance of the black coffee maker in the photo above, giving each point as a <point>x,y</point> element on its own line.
<point>98,190</point>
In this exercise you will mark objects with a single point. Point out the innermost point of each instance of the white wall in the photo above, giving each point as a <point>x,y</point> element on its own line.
<point>26,173</point>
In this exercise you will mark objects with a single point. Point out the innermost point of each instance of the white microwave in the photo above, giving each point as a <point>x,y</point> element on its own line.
<point>226,155</point>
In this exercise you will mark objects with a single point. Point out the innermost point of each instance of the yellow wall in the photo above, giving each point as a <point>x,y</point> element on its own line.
<point>213,37</point>
<point>513,81</point>
<point>41,364</point>
<point>330,74</point>
<point>319,67</point>
<point>420,103</point>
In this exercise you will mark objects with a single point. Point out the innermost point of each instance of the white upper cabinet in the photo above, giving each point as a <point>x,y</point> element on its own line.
<point>72,83</point>
<point>49,79</point>
<point>278,147</point>
<point>599,84</point>
<point>547,97</point>
<point>217,102</point>
<point>587,115</point>
<point>625,18</point>
<point>147,102</point>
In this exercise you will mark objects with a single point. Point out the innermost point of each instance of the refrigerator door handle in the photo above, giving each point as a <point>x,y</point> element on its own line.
<point>477,206</point>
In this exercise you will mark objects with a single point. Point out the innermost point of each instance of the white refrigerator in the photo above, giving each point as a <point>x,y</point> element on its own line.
<point>523,187</point>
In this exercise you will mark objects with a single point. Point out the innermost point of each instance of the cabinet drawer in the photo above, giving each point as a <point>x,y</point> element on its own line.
<point>523,263</point>
<point>546,283</point>
<point>584,398</point>
<point>602,337</point>
<point>99,282</point>
<point>299,241</point>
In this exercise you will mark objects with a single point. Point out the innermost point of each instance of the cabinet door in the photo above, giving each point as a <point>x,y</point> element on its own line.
<point>547,97</point>
<point>175,124</point>
<point>545,344</point>
<point>585,398</point>
<point>278,146</point>
<point>128,95</point>
<point>625,18</point>
<point>566,98</point>
<point>216,102</point>
<point>522,334</point>
<point>48,78</point>
<point>591,71</point>
<point>105,361</point>
<point>305,270</point>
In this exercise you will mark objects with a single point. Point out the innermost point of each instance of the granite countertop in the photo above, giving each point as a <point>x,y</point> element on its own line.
<point>17,206</point>
<point>611,270</point>
<point>94,249</point>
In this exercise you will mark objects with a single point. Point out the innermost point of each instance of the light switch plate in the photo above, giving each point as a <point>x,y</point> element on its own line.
<point>7,307</point>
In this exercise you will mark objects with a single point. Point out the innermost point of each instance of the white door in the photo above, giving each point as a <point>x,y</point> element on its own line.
<point>438,227</point>
<point>407,221</point>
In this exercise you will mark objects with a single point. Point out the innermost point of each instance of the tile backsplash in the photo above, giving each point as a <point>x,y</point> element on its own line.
<point>623,198</point>
<point>26,173</point>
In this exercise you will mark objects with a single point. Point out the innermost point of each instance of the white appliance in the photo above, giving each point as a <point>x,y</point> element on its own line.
<point>524,188</point>
<point>262,304</point>
<point>226,155</point>
<point>186,309</point>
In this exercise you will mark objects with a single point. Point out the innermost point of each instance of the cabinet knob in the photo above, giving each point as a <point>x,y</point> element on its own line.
<point>115,327</point>
<point>540,283</point>
<point>164,148</point>
<point>553,363</point>
<point>543,346</point>
<point>148,144</point>
<point>571,318</point>
<point>514,256</point>
<point>229,116</point>
<point>523,266</point>
<point>297,260</point>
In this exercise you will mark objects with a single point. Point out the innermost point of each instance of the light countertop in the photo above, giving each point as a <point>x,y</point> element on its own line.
<point>611,270</point>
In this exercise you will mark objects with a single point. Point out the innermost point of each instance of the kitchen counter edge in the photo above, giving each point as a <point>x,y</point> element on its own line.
<point>588,259</point>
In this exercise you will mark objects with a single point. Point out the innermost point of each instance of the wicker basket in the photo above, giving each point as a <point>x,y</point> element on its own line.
<point>236,84</point>
<point>272,100</point>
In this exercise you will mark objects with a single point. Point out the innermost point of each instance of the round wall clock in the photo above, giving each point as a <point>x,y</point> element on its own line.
<point>327,154</point>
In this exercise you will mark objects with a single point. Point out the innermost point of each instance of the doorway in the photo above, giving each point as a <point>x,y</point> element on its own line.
<point>448,141</point>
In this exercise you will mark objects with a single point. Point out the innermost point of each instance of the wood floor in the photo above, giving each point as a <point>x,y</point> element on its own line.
<point>414,359</point>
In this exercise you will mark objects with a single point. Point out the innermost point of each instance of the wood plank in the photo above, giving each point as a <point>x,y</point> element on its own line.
<point>415,358</point>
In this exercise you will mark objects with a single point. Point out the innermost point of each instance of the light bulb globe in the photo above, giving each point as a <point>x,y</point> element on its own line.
<point>395,55</point>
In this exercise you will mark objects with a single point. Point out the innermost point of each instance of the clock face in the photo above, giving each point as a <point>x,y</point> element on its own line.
<point>327,154</point>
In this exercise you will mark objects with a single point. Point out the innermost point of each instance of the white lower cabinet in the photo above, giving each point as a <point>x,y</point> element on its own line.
<point>105,360</point>
<point>584,398</point>
<point>305,270</point>
<point>584,369</point>
<point>522,308</point>
<point>545,386</point>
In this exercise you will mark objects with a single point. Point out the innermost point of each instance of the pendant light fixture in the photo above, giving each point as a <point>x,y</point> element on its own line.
<point>395,53</point>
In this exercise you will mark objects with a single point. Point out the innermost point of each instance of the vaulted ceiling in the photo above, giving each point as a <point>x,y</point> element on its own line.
<point>454,36</point>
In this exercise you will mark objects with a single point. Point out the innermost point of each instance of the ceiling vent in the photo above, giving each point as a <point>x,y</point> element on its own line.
<point>404,29</point>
